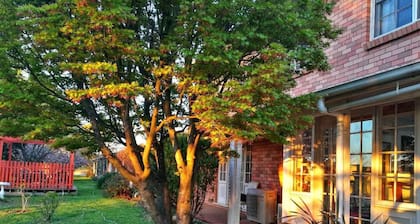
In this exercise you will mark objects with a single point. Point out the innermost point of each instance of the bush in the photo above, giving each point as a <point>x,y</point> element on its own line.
<point>49,204</point>
<point>114,185</point>
<point>101,180</point>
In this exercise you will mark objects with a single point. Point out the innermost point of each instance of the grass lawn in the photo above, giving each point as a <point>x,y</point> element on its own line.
<point>87,206</point>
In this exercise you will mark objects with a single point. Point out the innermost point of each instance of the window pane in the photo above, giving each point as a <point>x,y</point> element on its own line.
<point>387,164</point>
<point>387,24</point>
<point>406,107</point>
<point>367,125</point>
<point>355,143</point>
<point>405,139</point>
<point>365,208</point>
<point>404,17</point>
<point>387,189</point>
<point>388,110</point>
<point>354,185</point>
<point>405,119</point>
<point>404,190</point>
<point>388,121</point>
<point>388,140</point>
<point>367,159</point>
<point>354,207</point>
<point>406,163</point>
<point>403,3</point>
<point>355,163</point>
<point>367,142</point>
<point>387,7</point>
<point>366,186</point>
<point>355,127</point>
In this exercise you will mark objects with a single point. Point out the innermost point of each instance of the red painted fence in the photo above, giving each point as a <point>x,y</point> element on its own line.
<point>37,176</point>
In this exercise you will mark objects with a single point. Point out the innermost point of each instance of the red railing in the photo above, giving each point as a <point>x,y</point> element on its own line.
<point>37,176</point>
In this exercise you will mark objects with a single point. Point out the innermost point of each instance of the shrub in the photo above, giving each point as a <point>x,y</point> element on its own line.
<point>49,204</point>
<point>114,185</point>
<point>101,180</point>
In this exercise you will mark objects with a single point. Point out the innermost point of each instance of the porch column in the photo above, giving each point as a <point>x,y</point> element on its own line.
<point>234,201</point>
<point>342,149</point>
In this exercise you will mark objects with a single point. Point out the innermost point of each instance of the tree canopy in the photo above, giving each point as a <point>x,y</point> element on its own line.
<point>117,69</point>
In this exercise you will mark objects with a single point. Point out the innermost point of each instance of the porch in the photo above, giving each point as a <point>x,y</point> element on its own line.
<point>33,176</point>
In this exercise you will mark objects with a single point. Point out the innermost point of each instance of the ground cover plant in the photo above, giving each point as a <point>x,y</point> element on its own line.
<point>87,206</point>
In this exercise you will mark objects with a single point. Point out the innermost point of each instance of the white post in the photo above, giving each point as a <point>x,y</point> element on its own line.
<point>234,212</point>
<point>342,148</point>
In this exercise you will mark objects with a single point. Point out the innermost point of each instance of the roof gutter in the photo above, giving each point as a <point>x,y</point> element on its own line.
<point>381,78</point>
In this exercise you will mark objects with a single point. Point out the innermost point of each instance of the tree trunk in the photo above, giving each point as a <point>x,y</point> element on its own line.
<point>147,200</point>
<point>183,207</point>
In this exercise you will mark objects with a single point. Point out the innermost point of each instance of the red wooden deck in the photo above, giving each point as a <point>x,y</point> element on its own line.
<point>35,176</point>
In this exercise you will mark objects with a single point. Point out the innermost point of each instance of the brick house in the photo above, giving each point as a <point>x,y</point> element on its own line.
<point>360,160</point>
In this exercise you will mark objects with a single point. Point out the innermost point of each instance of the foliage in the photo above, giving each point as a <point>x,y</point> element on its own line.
<point>101,180</point>
<point>114,185</point>
<point>112,70</point>
<point>49,204</point>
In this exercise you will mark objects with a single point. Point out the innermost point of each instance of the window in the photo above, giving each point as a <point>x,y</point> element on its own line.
<point>392,14</point>
<point>246,167</point>
<point>361,141</point>
<point>328,156</point>
<point>397,152</point>
<point>302,161</point>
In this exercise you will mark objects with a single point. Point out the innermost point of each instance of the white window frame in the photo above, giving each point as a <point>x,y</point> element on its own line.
<point>415,17</point>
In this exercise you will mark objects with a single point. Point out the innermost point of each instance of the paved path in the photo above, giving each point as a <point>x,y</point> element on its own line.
<point>215,214</point>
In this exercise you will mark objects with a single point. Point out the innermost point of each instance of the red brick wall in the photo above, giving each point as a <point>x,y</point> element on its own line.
<point>267,159</point>
<point>353,55</point>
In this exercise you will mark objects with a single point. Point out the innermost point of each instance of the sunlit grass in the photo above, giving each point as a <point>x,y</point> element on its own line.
<point>87,206</point>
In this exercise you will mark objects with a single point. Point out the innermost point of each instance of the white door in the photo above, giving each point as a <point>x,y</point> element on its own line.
<point>222,186</point>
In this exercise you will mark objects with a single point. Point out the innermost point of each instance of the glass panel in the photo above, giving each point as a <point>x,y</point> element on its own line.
<point>405,139</point>
<point>388,121</point>
<point>406,163</point>
<point>326,185</point>
<point>355,127</point>
<point>367,163</point>
<point>387,7</point>
<point>355,162</point>
<point>326,203</point>
<point>354,207</point>
<point>354,185</point>
<point>406,107</point>
<point>355,143</point>
<point>354,221</point>
<point>387,189</point>
<point>405,119</point>
<point>387,164</point>
<point>403,3</point>
<point>404,189</point>
<point>367,142</point>
<point>388,24</point>
<point>365,208</point>
<point>366,186</point>
<point>388,140</point>
<point>367,125</point>
<point>404,17</point>
<point>388,110</point>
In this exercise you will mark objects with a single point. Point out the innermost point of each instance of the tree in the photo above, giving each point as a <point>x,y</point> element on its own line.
<point>208,69</point>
